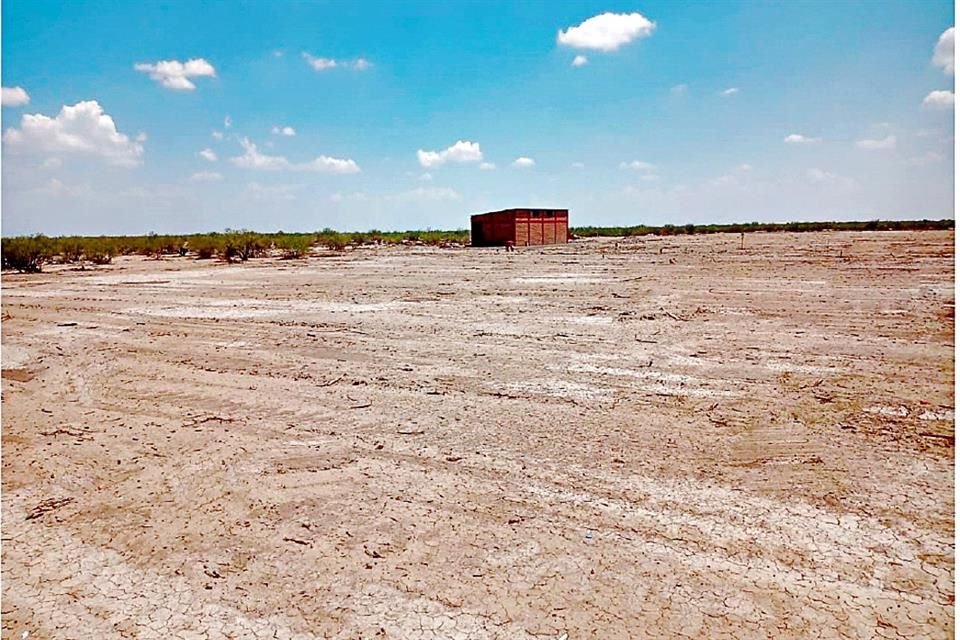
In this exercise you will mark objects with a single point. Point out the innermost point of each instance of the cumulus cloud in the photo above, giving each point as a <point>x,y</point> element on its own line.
<point>326,164</point>
<point>523,163</point>
<point>679,90</point>
<point>943,52</point>
<point>797,138</point>
<point>579,61</point>
<point>206,176</point>
<point>208,154</point>
<point>420,194</point>
<point>319,64</point>
<point>461,151</point>
<point>176,75</point>
<point>322,64</point>
<point>939,100</point>
<point>283,131</point>
<point>738,178</point>
<point>217,135</point>
<point>928,158</point>
<point>487,166</point>
<point>578,165</point>
<point>820,176</point>
<point>890,142</point>
<point>13,96</point>
<point>429,194</point>
<point>638,165</point>
<point>732,91</point>
<point>270,192</point>
<point>253,159</point>
<point>82,128</point>
<point>607,31</point>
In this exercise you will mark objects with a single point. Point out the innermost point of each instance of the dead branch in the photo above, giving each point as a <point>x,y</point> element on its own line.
<point>330,383</point>
<point>45,507</point>
<point>198,421</point>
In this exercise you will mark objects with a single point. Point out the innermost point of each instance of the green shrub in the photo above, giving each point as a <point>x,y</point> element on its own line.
<point>293,246</point>
<point>243,245</point>
<point>332,240</point>
<point>26,254</point>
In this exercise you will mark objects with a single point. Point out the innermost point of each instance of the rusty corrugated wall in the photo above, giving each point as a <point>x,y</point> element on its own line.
<point>523,227</point>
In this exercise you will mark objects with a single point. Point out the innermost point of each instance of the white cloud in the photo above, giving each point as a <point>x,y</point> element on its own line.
<point>253,159</point>
<point>578,165</point>
<point>208,154</point>
<point>797,138</point>
<point>461,151</point>
<point>487,166</point>
<point>82,128</point>
<point>607,31</point>
<point>176,75</point>
<point>930,157</point>
<point>356,196</point>
<point>738,178</point>
<point>579,61</point>
<point>679,90</point>
<point>283,131</point>
<point>322,64</point>
<point>217,135</point>
<point>820,176</point>
<point>319,64</point>
<point>420,194</point>
<point>270,192</point>
<point>732,91</point>
<point>13,96</point>
<point>227,122</point>
<point>638,165</point>
<point>141,137</point>
<point>890,142</point>
<point>939,100</point>
<point>429,194</point>
<point>52,163</point>
<point>206,176</point>
<point>943,52</point>
<point>326,164</point>
<point>523,163</point>
<point>426,177</point>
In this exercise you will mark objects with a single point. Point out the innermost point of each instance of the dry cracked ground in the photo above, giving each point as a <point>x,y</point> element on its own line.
<point>657,437</point>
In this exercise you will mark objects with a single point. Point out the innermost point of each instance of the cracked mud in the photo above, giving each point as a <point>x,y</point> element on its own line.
<point>661,437</point>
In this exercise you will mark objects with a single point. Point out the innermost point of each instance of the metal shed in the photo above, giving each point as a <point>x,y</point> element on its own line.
<point>522,227</point>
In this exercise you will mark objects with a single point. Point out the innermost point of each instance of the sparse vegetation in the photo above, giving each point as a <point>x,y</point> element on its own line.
<point>28,254</point>
<point>751,227</point>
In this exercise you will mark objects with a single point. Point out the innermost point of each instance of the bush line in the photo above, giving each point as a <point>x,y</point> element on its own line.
<point>28,254</point>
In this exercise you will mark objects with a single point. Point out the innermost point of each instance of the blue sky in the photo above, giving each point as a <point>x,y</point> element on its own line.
<point>186,116</point>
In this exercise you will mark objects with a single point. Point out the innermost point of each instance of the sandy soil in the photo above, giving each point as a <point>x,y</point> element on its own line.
<point>670,437</point>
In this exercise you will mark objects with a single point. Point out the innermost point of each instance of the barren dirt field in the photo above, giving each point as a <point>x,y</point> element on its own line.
<point>659,438</point>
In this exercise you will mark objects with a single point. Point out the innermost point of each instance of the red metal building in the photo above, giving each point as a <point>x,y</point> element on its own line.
<point>522,227</point>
